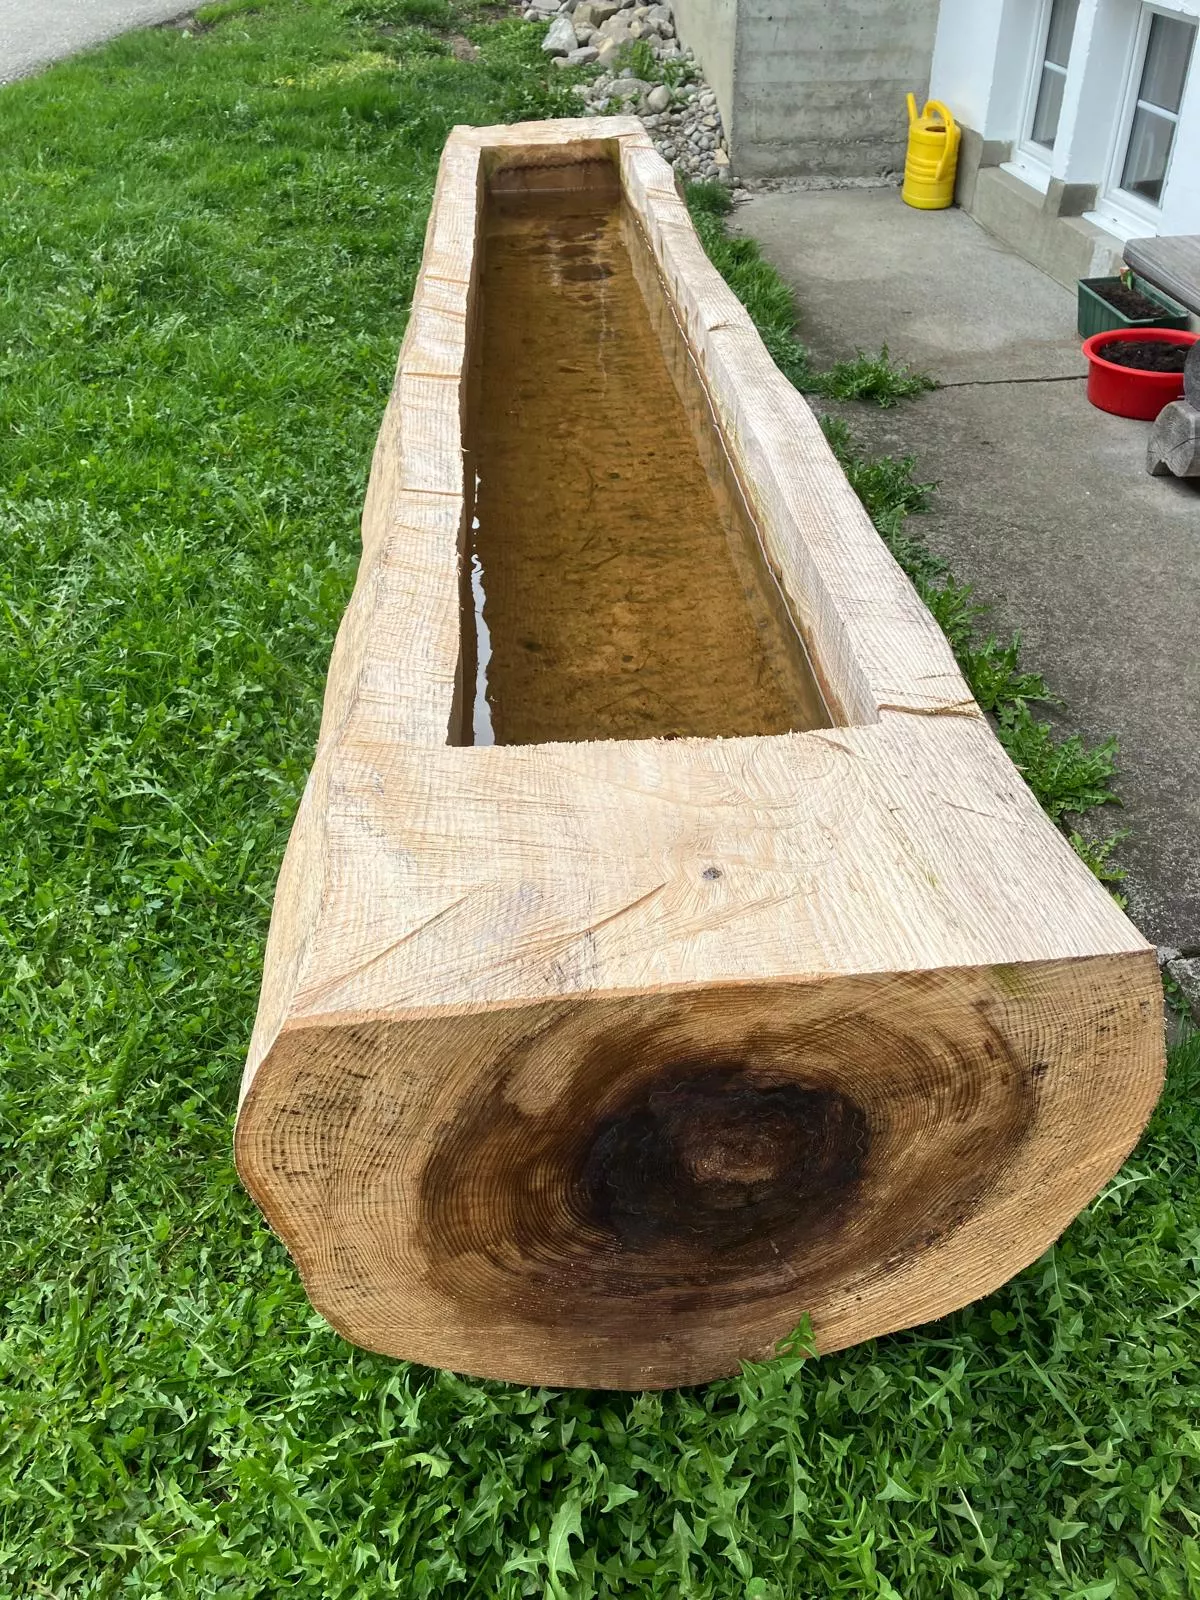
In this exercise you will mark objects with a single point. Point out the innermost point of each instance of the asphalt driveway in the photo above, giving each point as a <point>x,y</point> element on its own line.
<point>35,32</point>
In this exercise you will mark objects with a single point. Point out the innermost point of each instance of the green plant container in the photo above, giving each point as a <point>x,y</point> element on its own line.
<point>1097,316</point>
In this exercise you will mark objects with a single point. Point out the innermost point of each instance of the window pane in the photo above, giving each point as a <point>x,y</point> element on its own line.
<point>1148,153</point>
<point>1049,104</point>
<point>1168,50</point>
<point>1062,29</point>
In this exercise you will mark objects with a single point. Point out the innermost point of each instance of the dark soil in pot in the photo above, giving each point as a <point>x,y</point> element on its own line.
<point>1145,355</point>
<point>1129,302</point>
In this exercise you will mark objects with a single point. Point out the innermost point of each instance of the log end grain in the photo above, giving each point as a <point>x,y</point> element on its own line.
<point>642,1191</point>
<point>1174,443</point>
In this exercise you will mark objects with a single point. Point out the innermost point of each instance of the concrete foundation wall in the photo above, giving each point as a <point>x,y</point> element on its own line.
<point>810,88</point>
<point>710,28</point>
<point>1048,229</point>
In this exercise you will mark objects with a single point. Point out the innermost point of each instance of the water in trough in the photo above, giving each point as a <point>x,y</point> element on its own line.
<point>617,585</point>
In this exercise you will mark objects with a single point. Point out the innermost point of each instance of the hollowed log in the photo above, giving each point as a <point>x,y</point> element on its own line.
<point>589,1058</point>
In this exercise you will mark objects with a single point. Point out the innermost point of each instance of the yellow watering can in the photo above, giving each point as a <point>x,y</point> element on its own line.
<point>932,158</point>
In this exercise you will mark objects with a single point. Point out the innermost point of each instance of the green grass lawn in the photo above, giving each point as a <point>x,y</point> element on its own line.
<point>208,248</point>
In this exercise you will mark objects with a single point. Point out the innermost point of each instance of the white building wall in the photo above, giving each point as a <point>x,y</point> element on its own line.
<point>1181,195</point>
<point>964,60</point>
<point>982,65</point>
<point>1181,199</point>
<point>1012,65</point>
<point>1100,52</point>
<point>980,60</point>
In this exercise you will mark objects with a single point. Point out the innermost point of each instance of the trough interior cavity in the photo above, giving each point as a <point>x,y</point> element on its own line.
<point>614,582</point>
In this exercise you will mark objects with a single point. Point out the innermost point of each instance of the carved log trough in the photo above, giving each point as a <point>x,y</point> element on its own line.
<point>665,948</point>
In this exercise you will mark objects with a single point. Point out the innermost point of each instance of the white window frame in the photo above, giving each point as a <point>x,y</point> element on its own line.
<point>1031,154</point>
<point>1131,213</point>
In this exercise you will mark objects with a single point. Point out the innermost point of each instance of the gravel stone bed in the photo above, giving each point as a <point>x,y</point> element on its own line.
<point>681,114</point>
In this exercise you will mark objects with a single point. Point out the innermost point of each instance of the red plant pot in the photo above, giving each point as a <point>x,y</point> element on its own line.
<point>1126,391</point>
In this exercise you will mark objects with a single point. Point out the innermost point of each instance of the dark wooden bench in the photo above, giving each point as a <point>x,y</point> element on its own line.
<point>1170,264</point>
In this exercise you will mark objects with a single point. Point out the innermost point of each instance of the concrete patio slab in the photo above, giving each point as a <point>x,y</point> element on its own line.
<point>931,285</point>
<point>1044,503</point>
<point>35,32</point>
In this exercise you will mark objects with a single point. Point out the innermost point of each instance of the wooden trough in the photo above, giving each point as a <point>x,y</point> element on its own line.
<point>740,976</point>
